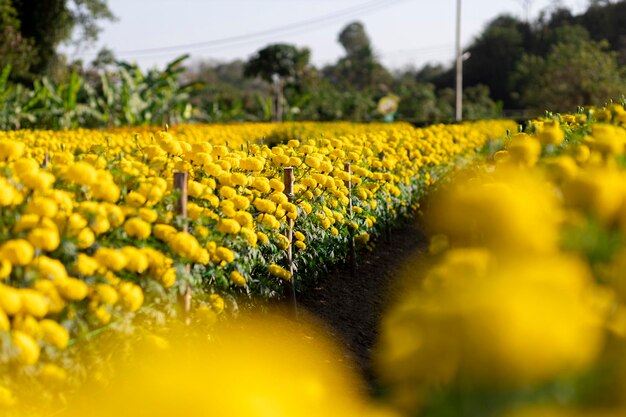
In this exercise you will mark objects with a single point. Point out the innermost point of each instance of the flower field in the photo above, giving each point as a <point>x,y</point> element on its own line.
<point>92,237</point>
<point>520,309</point>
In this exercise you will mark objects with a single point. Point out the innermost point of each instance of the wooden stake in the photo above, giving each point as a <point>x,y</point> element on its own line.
<point>351,247</point>
<point>291,287</point>
<point>46,160</point>
<point>180,183</point>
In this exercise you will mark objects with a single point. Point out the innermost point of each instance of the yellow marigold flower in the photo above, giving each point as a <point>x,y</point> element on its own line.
<point>148,215</point>
<point>33,303</point>
<point>26,222</point>
<point>137,228</point>
<point>10,300</point>
<point>5,269</point>
<point>237,279</point>
<point>279,272</point>
<point>239,179</point>
<point>264,205</point>
<point>164,232</point>
<point>100,224</point>
<point>102,314</point>
<point>49,290</point>
<point>75,223</point>
<point>5,324</point>
<point>73,289</point>
<point>279,198</point>
<point>42,206</point>
<point>137,260</point>
<point>106,191</point>
<point>269,221</point>
<point>240,202</point>
<point>131,296</point>
<point>184,245</point>
<point>217,303</point>
<point>8,193</point>
<point>312,161</point>
<point>551,133</point>
<point>38,180</point>
<point>28,350</point>
<point>252,164</point>
<point>227,192</point>
<point>306,207</point>
<point>244,218</point>
<point>229,226</point>
<point>27,324</point>
<point>86,238</point>
<point>107,294</point>
<point>262,238</point>
<point>44,239</point>
<point>225,254</point>
<point>168,278</point>
<point>111,258</point>
<point>134,199</point>
<point>48,268</point>
<point>18,251</point>
<point>280,160</point>
<point>261,184</point>
<point>277,185</point>
<point>282,241</point>
<point>293,143</point>
<point>300,245</point>
<point>11,150</point>
<point>195,189</point>
<point>51,374</point>
<point>362,238</point>
<point>53,333</point>
<point>219,151</point>
<point>249,235</point>
<point>81,173</point>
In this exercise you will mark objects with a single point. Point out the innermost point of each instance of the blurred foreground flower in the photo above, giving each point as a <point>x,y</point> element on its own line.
<point>252,367</point>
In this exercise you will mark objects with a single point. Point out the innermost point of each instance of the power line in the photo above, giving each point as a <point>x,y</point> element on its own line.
<point>293,28</point>
<point>434,49</point>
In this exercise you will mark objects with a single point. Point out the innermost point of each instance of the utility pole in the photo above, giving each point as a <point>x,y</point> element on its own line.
<point>459,65</point>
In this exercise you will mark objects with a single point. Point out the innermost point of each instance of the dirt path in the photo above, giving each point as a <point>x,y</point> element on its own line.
<point>352,306</point>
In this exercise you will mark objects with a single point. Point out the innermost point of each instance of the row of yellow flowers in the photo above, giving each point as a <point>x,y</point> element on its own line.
<point>90,235</point>
<point>522,309</point>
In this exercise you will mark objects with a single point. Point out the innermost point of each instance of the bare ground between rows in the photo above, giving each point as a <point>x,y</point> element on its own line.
<point>351,304</point>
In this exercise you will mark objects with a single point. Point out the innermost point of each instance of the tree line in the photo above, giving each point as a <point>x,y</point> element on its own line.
<point>559,61</point>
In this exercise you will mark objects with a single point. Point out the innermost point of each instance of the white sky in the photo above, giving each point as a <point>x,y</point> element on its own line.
<point>403,32</point>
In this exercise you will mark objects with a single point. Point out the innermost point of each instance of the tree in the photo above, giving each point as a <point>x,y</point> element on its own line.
<point>493,56</point>
<point>283,60</point>
<point>15,50</point>
<point>359,69</point>
<point>574,73</point>
<point>280,63</point>
<point>47,23</point>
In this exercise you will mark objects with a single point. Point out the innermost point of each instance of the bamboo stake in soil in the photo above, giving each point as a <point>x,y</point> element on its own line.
<point>180,183</point>
<point>291,287</point>
<point>352,250</point>
<point>46,160</point>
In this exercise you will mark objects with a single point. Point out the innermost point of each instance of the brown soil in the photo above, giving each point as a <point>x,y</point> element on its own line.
<point>352,304</point>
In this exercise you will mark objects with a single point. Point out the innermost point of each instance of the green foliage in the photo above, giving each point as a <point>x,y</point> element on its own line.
<point>283,60</point>
<point>15,50</point>
<point>575,72</point>
<point>359,69</point>
<point>41,25</point>
<point>121,97</point>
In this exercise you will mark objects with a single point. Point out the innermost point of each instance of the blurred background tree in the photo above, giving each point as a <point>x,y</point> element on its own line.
<point>42,25</point>
<point>514,67</point>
